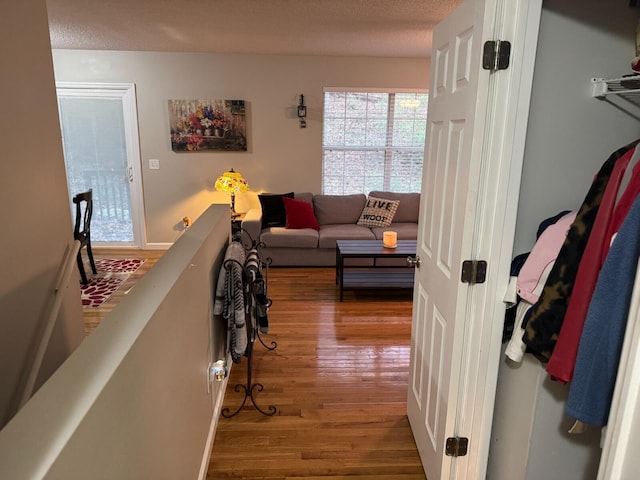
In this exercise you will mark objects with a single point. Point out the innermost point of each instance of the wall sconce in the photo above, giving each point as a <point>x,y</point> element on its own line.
<point>302,113</point>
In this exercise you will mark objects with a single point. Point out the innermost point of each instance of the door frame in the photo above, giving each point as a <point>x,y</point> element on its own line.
<point>504,133</point>
<point>127,93</point>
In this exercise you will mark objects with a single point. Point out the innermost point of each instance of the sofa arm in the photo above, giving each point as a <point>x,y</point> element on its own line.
<point>252,223</point>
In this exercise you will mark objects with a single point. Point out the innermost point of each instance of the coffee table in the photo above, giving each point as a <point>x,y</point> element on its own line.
<point>373,276</point>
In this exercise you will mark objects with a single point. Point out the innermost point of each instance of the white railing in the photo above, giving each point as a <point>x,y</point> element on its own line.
<point>62,281</point>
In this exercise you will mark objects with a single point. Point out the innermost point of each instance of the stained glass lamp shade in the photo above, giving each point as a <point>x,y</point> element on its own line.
<point>231,182</point>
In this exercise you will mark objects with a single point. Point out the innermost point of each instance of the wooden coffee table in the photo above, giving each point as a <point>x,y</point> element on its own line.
<point>373,276</point>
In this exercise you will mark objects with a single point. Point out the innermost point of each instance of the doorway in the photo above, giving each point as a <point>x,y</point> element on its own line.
<point>100,142</point>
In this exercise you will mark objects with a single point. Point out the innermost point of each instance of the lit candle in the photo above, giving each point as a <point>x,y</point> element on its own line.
<point>390,239</point>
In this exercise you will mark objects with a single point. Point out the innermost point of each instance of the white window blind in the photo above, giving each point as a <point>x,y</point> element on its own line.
<point>373,141</point>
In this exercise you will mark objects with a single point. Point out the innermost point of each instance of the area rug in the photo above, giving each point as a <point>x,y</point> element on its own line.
<point>111,274</point>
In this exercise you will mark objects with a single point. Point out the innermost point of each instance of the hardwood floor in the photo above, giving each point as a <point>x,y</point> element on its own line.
<point>93,316</point>
<point>338,379</point>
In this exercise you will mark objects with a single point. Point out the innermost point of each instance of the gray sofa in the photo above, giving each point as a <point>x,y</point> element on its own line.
<point>337,216</point>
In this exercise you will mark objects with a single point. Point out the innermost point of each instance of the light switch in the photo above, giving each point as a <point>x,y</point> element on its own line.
<point>154,164</point>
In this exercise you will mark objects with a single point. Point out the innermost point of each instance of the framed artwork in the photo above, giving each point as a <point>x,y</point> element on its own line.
<point>198,125</point>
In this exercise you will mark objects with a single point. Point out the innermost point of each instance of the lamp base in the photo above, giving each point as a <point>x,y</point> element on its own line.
<point>233,204</point>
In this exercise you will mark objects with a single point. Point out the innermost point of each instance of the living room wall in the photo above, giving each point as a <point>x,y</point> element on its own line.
<point>281,156</point>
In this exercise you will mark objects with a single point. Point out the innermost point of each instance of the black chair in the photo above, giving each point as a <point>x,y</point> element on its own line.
<point>82,230</point>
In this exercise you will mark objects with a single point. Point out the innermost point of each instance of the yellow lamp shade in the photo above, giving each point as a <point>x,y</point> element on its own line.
<point>231,182</point>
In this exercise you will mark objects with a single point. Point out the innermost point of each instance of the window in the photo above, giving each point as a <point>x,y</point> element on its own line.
<point>373,141</point>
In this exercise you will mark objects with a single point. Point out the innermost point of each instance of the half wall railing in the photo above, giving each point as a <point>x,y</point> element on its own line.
<point>135,400</point>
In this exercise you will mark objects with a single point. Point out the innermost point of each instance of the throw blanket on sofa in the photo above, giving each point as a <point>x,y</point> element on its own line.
<point>229,300</point>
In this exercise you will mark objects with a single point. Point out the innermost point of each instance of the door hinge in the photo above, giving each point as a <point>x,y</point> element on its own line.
<point>496,55</point>
<point>456,446</point>
<point>474,271</point>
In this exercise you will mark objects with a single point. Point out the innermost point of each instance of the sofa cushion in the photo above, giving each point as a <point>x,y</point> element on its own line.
<point>328,234</point>
<point>274,237</point>
<point>378,212</point>
<point>306,196</point>
<point>405,231</point>
<point>335,209</point>
<point>273,212</point>
<point>299,214</point>
<point>408,208</point>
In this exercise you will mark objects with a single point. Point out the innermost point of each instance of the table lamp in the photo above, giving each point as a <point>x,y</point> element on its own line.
<point>231,182</point>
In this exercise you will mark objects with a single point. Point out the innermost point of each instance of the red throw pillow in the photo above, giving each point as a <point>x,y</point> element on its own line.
<point>299,214</point>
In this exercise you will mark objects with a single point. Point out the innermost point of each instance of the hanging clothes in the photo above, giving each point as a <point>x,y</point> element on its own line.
<point>533,275</point>
<point>545,320</point>
<point>562,360</point>
<point>628,196</point>
<point>543,253</point>
<point>516,348</point>
<point>511,298</point>
<point>591,389</point>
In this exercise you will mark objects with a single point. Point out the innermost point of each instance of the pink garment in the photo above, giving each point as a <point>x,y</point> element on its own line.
<point>542,254</point>
<point>563,359</point>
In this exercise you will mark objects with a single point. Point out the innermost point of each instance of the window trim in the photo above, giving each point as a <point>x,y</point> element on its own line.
<point>387,149</point>
<point>373,90</point>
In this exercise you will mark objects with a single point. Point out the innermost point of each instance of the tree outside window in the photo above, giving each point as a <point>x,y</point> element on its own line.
<point>373,141</point>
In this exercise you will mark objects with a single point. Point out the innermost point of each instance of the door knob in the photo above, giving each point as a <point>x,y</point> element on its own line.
<point>414,261</point>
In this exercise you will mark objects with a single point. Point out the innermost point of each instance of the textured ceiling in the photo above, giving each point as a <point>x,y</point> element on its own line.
<point>399,28</point>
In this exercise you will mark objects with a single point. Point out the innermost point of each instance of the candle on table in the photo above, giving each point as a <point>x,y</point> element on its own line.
<point>390,239</point>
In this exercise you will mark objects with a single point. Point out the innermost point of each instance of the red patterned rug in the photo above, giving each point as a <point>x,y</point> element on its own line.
<point>111,274</point>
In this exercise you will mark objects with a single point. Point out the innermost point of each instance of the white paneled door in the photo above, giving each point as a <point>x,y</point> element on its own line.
<point>471,174</point>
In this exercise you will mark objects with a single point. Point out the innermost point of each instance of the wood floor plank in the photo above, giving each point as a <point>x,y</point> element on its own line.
<point>338,378</point>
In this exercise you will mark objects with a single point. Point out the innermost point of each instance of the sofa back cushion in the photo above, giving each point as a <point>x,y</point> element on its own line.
<point>306,196</point>
<point>408,207</point>
<point>337,209</point>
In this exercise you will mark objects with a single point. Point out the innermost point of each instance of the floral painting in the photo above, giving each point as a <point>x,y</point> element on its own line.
<point>198,125</point>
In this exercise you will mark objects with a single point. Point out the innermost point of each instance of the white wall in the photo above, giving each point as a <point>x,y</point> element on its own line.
<point>34,206</point>
<point>570,135</point>
<point>281,156</point>
<point>133,401</point>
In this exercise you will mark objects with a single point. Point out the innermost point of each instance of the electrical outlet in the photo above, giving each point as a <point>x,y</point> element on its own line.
<point>154,164</point>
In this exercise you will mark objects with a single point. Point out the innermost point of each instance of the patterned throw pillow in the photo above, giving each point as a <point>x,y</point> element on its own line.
<point>378,212</point>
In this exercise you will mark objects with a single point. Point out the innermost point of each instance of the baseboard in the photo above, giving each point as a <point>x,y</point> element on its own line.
<point>157,246</point>
<point>217,410</point>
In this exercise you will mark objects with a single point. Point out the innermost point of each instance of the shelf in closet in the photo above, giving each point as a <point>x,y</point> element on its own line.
<point>627,87</point>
